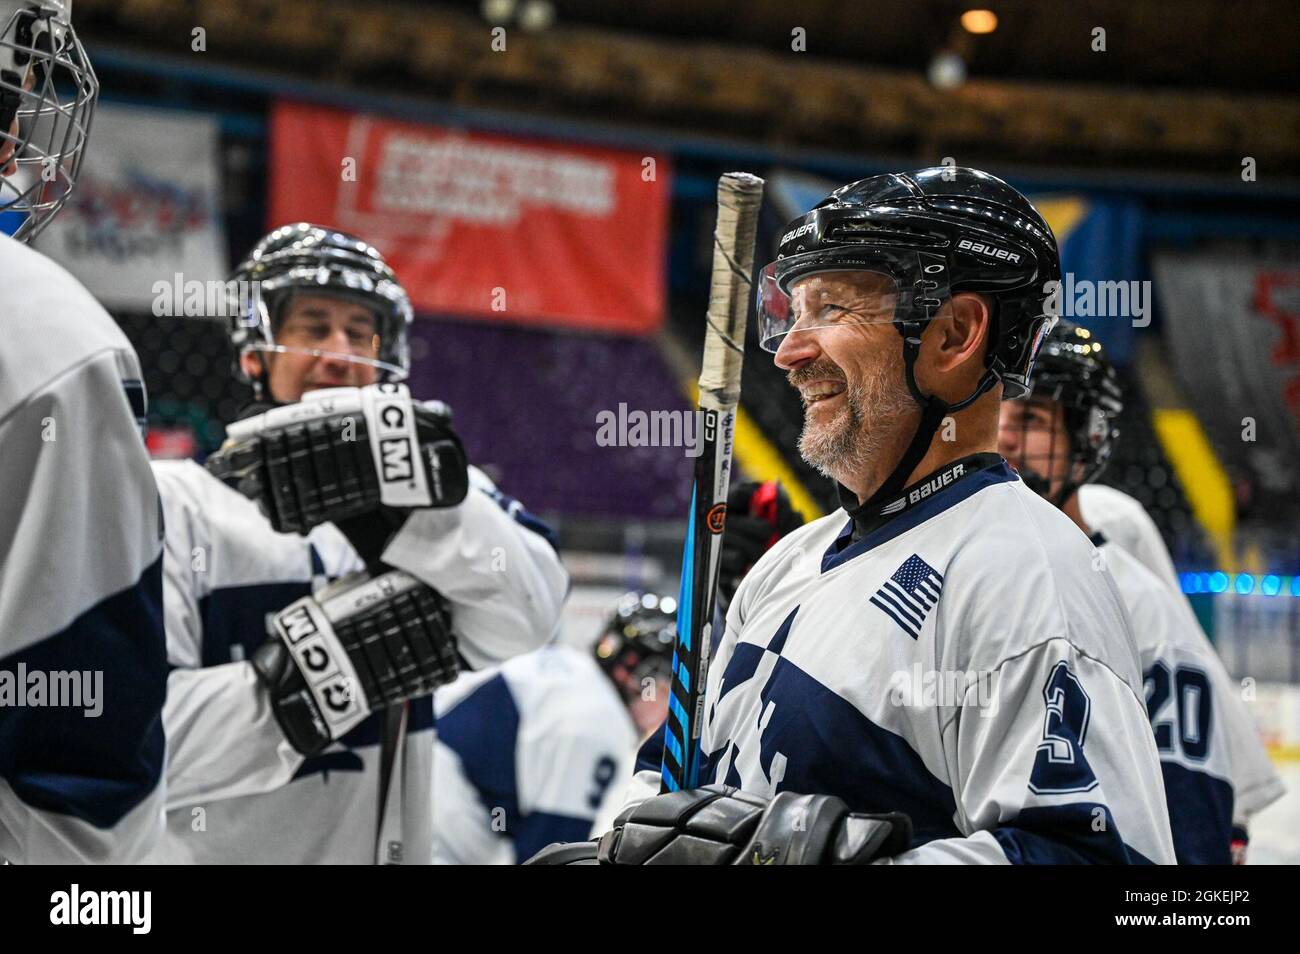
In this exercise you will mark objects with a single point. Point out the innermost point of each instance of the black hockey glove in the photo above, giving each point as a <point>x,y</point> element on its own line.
<point>757,516</point>
<point>357,645</point>
<point>566,853</point>
<point>720,825</point>
<point>346,452</point>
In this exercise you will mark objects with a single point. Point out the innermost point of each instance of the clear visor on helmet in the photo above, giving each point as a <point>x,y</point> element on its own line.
<point>847,286</point>
<point>47,98</point>
<point>270,323</point>
<point>385,369</point>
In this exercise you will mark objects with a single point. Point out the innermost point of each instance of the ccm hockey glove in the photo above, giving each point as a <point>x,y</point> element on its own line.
<point>345,452</point>
<point>721,825</point>
<point>356,646</point>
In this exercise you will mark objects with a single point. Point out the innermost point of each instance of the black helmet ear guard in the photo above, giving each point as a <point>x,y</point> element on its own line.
<point>934,232</point>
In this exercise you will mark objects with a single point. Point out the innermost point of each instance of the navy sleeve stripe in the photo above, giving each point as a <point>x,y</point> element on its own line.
<point>1200,814</point>
<point>524,517</point>
<point>539,829</point>
<point>1071,834</point>
<point>236,616</point>
<point>483,729</point>
<point>650,757</point>
<point>59,759</point>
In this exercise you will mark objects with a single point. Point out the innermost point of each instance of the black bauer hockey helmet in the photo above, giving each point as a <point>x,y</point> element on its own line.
<point>930,234</point>
<point>637,641</point>
<point>311,259</point>
<point>1074,371</point>
<point>933,232</point>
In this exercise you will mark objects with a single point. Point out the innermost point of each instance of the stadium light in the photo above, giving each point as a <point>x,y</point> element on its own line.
<point>947,71</point>
<point>979,21</point>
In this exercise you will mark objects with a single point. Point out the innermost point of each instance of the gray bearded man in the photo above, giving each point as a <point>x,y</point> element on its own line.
<point>898,302</point>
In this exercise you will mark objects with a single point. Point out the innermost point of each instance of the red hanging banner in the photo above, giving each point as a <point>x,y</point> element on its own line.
<point>484,225</point>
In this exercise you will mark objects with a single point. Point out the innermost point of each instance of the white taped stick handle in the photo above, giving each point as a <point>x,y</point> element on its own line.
<point>739,197</point>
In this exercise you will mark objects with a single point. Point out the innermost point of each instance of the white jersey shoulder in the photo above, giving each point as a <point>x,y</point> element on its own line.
<point>526,755</point>
<point>72,458</point>
<point>1120,518</point>
<point>59,324</point>
<point>80,575</point>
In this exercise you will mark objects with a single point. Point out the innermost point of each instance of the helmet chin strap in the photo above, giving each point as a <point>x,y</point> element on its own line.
<point>1035,481</point>
<point>1070,487</point>
<point>933,411</point>
<point>1042,485</point>
<point>263,399</point>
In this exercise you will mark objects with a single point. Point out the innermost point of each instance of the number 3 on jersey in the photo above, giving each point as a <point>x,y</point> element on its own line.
<point>605,769</point>
<point>1059,765</point>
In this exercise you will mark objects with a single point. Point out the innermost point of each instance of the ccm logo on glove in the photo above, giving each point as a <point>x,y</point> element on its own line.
<point>393,440</point>
<point>329,675</point>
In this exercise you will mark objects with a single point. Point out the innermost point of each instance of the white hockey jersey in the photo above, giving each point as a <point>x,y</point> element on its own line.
<point>525,755</point>
<point>1216,770</point>
<point>962,663</point>
<point>1122,520</point>
<point>239,792</point>
<point>80,579</point>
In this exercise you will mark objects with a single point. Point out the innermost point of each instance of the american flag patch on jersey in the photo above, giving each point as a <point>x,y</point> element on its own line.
<point>910,594</point>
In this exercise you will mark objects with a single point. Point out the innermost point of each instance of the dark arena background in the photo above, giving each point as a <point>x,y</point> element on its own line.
<point>541,174</point>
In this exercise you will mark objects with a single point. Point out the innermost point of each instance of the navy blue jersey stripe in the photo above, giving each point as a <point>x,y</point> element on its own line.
<point>539,829</point>
<point>94,768</point>
<point>1070,834</point>
<point>650,757</point>
<point>828,745</point>
<point>522,516</point>
<point>236,616</point>
<point>483,729</point>
<point>1200,815</point>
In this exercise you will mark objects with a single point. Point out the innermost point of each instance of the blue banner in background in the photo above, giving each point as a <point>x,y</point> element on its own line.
<point>1101,267</point>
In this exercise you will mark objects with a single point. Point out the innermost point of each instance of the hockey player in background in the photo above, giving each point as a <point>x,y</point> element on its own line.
<point>1111,511</point>
<point>271,761</point>
<point>529,753</point>
<point>82,659</point>
<point>1216,771</point>
<point>534,752</point>
<point>937,673</point>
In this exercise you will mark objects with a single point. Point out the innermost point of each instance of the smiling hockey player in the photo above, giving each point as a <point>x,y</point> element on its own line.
<point>1216,771</point>
<point>936,674</point>
<point>314,744</point>
<point>80,540</point>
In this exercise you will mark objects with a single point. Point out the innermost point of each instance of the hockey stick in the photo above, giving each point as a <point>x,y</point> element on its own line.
<point>739,197</point>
